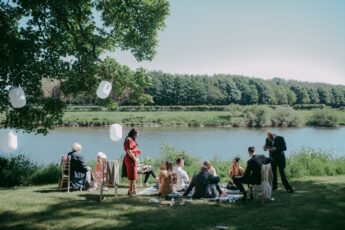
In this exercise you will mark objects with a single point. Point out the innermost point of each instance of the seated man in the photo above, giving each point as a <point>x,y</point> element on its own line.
<point>252,175</point>
<point>182,176</point>
<point>203,183</point>
<point>78,167</point>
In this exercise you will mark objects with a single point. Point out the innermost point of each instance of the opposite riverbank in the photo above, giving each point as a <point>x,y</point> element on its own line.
<point>205,116</point>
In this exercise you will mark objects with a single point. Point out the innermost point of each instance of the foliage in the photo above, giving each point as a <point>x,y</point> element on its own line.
<point>286,117</point>
<point>16,171</point>
<point>324,118</point>
<point>258,116</point>
<point>311,162</point>
<point>63,41</point>
<point>47,174</point>
<point>169,153</point>
<point>178,89</point>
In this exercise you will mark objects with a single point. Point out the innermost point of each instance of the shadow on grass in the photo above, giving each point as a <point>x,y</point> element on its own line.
<point>313,206</point>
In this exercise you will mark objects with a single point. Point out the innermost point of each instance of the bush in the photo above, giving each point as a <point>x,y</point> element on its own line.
<point>324,118</point>
<point>258,116</point>
<point>309,106</point>
<point>48,174</point>
<point>311,162</point>
<point>16,170</point>
<point>286,117</point>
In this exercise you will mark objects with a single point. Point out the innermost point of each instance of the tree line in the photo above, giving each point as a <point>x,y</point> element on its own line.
<point>221,89</point>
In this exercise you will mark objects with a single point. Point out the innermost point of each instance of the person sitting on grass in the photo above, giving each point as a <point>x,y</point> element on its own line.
<point>203,183</point>
<point>213,172</point>
<point>234,170</point>
<point>147,171</point>
<point>182,176</point>
<point>167,179</point>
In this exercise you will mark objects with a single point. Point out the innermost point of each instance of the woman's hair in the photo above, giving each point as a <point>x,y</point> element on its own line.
<point>169,165</point>
<point>207,164</point>
<point>76,147</point>
<point>133,133</point>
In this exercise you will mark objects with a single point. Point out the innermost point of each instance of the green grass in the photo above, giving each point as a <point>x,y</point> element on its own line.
<point>318,203</point>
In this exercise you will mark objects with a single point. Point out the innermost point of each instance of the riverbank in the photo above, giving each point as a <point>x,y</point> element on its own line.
<point>318,203</point>
<point>221,116</point>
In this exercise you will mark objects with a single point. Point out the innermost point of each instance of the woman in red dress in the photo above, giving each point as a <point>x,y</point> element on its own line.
<point>130,159</point>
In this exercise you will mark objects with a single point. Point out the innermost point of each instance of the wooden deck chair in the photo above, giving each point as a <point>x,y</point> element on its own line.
<point>65,176</point>
<point>112,178</point>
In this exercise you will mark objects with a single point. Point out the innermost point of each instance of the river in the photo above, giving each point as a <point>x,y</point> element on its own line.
<point>225,143</point>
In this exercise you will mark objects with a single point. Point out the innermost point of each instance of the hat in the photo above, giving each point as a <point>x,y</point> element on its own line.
<point>102,155</point>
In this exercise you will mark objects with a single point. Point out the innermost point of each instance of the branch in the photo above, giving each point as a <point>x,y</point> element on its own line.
<point>82,31</point>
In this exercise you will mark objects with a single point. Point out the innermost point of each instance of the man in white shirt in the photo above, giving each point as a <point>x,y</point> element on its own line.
<point>182,176</point>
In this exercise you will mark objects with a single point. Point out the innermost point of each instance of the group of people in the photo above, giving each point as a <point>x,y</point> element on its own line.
<point>206,182</point>
<point>174,179</point>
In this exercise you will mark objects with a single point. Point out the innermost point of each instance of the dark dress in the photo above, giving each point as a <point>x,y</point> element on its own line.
<point>78,170</point>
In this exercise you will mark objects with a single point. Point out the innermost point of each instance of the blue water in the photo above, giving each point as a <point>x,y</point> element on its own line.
<point>206,143</point>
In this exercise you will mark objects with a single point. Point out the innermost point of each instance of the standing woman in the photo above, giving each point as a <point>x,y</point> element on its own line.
<point>130,159</point>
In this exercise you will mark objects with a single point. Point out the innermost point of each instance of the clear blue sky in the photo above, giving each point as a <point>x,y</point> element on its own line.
<point>291,39</point>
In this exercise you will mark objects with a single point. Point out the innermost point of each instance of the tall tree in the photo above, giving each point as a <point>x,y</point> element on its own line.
<point>64,40</point>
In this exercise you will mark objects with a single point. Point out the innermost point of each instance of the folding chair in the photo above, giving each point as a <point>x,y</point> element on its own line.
<point>112,179</point>
<point>65,177</point>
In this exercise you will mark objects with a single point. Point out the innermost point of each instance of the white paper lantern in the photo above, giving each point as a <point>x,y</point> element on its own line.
<point>17,97</point>
<point>8,141</point>
<point>104,89</point>
<point>115,132</point>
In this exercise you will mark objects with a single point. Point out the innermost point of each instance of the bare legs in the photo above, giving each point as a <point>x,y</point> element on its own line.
<point>132,189</point>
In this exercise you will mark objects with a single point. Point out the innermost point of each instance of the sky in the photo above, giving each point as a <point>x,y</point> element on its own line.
<point>291,39</point>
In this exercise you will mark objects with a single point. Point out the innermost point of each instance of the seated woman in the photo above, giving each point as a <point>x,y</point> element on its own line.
<point>167,179</point>
<point>98,173</point>
<point>213,172</point>
<point>147,171</point>
<point>78,167</point>
<point>234,170</point>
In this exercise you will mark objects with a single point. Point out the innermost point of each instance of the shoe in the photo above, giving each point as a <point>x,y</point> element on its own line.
<point>290,190</point>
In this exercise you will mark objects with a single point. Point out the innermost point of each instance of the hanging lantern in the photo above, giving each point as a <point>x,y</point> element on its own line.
<point>17,97</point>
<point>8,141</point>
<point>104,89</point>
<point>115,132</point>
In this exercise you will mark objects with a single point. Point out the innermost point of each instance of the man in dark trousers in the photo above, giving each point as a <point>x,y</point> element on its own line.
<point>276,146</point>
<point>204,184</point>
<point>252,175</point>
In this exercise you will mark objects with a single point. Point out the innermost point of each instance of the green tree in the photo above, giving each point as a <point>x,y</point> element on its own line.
<point>64,40</point>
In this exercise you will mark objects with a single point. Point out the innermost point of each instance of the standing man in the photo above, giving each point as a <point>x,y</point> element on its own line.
<point>276,146</point>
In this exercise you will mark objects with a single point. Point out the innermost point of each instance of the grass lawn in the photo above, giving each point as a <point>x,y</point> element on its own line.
<point>318,203</point>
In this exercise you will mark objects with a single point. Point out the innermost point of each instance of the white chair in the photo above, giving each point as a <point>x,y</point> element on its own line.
<point>263,190</point>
